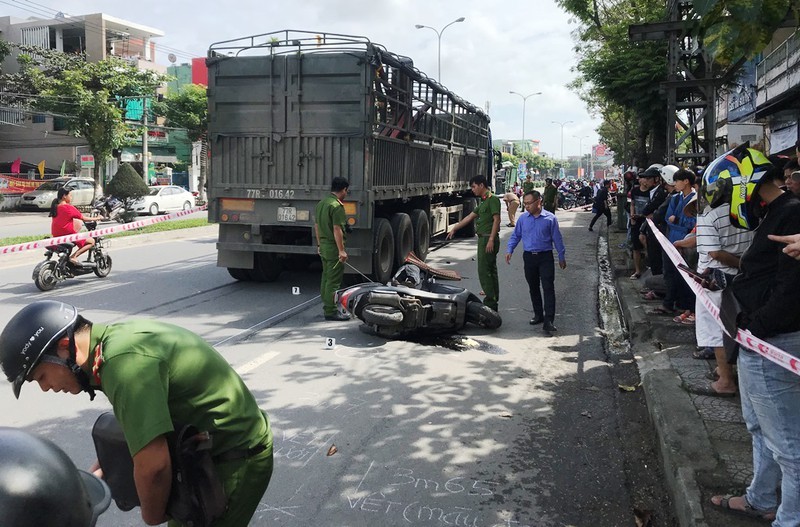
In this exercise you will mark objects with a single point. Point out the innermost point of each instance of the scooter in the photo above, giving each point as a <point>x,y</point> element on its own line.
<point>413,303</point>
<point>109,207</point>
<point>57,266</point>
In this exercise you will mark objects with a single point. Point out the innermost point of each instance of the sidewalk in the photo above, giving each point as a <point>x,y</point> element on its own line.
<point>704,445</point>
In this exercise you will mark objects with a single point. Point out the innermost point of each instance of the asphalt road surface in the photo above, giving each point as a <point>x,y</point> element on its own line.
<point>518,430</point>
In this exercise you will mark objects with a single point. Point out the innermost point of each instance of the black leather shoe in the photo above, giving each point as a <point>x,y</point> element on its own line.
<point>536,320</point>
<point>338,317</point>
<point>549,327</point>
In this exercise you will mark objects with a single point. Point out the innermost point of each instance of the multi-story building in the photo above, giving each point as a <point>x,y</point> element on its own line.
<point>35,137</point>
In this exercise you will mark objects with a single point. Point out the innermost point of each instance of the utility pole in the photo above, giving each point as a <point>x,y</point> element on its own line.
<point>439,36</point>
<point>145,151</point>
<point>524,100</point>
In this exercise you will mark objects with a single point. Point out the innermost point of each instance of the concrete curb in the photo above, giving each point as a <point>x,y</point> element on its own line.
<point>684,444</point>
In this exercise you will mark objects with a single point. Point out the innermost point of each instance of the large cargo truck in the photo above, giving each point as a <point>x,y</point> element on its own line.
<point>291,110</point>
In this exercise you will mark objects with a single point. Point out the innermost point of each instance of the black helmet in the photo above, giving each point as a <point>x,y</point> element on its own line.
<point>40,486</point>
<point>29,334</point>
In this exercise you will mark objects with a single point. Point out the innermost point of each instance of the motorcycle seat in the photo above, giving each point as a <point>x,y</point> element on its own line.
<point>66,246</point>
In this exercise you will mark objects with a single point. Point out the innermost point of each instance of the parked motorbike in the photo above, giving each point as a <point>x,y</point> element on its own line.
<point>109,207</point>
<point>57,266</point>
<point>413,303</point>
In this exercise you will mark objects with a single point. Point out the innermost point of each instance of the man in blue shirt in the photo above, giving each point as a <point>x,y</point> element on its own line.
<point>537,229</point>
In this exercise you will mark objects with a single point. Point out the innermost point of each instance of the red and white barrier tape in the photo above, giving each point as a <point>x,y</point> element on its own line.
<point>8,249</point>
<point>743,337</point>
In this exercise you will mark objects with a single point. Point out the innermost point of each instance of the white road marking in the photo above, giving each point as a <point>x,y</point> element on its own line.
<point>255,363</point>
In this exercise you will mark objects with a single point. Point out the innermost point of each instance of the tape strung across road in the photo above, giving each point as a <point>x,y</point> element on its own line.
<point>9,249</point>
<point>743,337</point>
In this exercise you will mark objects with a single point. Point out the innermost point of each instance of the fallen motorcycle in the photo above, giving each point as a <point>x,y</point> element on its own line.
<point>110,207</point>
<point>57,266</point>
<point>413,303</point>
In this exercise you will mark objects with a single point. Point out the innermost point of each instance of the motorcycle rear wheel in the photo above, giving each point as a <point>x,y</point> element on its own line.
<point>482,315</point>
<point>103,265</point>
<point>382,315</point>
<point>46,279</point>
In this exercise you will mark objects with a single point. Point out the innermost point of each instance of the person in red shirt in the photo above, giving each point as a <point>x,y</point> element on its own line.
<point>66,220</point>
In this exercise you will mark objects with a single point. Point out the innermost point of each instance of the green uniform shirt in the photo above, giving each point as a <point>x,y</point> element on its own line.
<point>329,212</point>
<point>527,186</point>
<point>155,373</point>
<point>486,210</point>
<point>549,195</point>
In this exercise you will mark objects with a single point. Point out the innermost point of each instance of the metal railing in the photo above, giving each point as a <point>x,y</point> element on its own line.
<point>784,57</point>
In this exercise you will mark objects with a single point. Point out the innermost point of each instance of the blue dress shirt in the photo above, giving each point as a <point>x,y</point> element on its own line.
<point>538,233</point>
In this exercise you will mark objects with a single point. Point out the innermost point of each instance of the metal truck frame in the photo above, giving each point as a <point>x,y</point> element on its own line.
<point>291,110</point>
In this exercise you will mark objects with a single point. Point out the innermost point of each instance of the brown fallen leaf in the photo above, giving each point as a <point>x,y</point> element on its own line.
<point>332,450</point>
<point>627,388</point>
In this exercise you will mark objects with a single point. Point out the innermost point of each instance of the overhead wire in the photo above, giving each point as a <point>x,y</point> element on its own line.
<point>51,13</point>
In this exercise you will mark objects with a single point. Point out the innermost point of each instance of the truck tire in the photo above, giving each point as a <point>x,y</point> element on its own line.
<point>403,233</point>
<point>266,267</point>
<point>422,233</point>
<point>482,315</point>
<point>243,275</point>
<point>469,206</point>
<point>382,315</point>
<point>382,250</point>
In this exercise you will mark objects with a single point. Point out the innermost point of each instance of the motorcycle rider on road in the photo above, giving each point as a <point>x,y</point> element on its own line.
<point>65,216</point>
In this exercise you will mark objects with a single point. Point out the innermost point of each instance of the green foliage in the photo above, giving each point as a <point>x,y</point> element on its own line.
<point>735,30</point>
<point>617,76</point>
<point>187,109</point>
<point>85,94</point>
<point>127,185</point>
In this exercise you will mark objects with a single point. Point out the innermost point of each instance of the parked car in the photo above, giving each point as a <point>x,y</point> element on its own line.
<point>164,198</point>
<point>83,193</point>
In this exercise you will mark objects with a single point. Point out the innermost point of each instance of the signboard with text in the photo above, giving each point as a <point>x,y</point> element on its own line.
<point>87,161</point>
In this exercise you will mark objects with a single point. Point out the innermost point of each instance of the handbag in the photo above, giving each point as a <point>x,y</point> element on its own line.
<point>197,497</point>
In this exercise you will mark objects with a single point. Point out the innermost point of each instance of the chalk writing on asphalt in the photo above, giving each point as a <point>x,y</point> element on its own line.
<point>429,508</point>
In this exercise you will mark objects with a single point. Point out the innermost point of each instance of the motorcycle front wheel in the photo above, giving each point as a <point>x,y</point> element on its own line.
<point>45,277</point>
<point>103,262</point>
<point>482,315</point>
<point>382,315</point>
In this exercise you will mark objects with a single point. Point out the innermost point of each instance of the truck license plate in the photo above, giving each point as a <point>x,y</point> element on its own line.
<point>287,214</point>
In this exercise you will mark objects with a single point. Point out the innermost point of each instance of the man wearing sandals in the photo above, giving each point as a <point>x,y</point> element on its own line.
<point>766,290</point>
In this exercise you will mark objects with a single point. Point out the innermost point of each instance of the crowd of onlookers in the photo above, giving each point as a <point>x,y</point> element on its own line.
<point>736,223</point>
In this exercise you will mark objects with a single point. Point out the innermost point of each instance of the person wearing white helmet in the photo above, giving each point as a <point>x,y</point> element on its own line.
<point>668,174</point>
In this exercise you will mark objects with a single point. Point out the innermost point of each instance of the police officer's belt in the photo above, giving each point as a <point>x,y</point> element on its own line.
<point>241,453</point>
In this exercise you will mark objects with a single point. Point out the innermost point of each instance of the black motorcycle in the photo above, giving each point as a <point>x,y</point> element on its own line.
<point>109,207</point>
<point>413,303</point>
<point>57,266</point>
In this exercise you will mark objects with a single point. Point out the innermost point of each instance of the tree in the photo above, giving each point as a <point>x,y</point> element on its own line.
<point>86,95</point>
<point>128,186</point>
<point>188,108</point>
<point>619,76</point>
<point>736,30</point>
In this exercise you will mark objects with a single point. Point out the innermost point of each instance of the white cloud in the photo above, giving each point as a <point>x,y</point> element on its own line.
<point>518,45</point>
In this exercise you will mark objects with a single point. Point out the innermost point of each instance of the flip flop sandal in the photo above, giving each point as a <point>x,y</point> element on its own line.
<point>680,318</point>
<point>748,510</point>
<point>704,354</point>
<point>650,295</point>
<point>636,276</point>
<point>707,389</point>
<point>689,320</point>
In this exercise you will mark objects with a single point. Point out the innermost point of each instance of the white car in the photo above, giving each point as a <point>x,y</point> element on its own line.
<point>164,198</point>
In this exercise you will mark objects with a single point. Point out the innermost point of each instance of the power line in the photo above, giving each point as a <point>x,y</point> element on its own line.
<point>77,24</point>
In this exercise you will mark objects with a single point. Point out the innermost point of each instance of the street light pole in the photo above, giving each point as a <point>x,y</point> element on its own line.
<point>439,35</point>
<point>524,100</point>
<point>580,148</point>
<point>562,136</point>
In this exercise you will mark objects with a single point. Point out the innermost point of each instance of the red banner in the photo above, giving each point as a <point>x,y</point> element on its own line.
<point>15,185</point>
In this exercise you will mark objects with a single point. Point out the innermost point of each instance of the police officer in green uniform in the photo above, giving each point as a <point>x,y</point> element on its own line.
<point>154,374</point>
<point>487,226</point>
<point>550,196</point>
<point>329,226</point>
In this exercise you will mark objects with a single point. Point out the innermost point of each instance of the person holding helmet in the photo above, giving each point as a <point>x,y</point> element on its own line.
<point>56,494</point>
<point>154,375</point>
<point>766,290</point>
